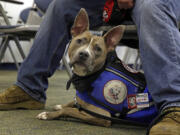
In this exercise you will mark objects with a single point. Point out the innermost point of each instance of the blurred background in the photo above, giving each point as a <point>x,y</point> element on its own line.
<point>31,12</point>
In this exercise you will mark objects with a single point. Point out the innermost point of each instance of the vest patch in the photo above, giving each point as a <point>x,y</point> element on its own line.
<point>132,101</point>
<point>142,100</point>
<point>115,91</point>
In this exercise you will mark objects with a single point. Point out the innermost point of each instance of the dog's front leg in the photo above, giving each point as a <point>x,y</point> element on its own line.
<point>75,113</point>
<point>59,107</point>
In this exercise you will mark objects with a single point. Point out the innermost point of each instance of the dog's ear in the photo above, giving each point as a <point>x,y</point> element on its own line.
<point>81,23</point>
<point>113,36</point>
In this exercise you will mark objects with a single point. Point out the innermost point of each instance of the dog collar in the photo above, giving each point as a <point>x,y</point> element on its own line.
<point>83,83</point>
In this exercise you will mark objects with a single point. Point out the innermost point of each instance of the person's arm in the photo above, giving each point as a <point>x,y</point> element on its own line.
<point>125,4</point>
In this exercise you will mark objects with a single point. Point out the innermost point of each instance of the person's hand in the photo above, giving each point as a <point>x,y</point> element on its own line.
<point>125,4</point>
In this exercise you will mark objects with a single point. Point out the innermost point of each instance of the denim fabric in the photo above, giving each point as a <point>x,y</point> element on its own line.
<point>50,43</point>
<point>159,40</point>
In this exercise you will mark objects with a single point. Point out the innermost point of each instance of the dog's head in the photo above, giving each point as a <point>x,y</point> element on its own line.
<point>87,52</point>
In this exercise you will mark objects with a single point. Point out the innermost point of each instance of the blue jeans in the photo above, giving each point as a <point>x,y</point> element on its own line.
<point>50,43</point>
<point>159,39</point>
<point>159,42</point>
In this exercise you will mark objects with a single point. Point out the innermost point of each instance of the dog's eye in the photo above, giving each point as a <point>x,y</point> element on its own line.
<point>79,41</point>
<point>97,48</point>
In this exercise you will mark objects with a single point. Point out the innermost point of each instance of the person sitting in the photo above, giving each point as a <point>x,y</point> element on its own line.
<point>159,44</point>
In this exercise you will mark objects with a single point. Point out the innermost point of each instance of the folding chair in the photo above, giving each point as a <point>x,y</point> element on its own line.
<point>16,33</point>
<point>37,10</point>
<point>24,15</point>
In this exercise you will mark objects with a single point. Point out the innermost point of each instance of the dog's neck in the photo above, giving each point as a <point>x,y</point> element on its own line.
<point>83,83</point>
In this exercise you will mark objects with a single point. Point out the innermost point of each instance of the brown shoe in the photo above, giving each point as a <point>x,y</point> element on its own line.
<point>15,98</point>
<point>169,123</point>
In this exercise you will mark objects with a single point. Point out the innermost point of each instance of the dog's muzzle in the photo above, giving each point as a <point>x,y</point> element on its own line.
<point>83,56</point>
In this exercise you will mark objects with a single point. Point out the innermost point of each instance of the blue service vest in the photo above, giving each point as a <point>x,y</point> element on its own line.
<point>121,92</point>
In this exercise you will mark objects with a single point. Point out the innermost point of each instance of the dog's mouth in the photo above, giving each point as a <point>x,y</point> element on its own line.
<point>82,68</point>
<point>79,63</point>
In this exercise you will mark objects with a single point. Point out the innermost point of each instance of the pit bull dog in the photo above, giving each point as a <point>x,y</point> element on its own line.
<point>88,54</point>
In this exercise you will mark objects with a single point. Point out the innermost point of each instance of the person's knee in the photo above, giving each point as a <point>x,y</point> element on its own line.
<point>151,10</point>
<point>60,6</point>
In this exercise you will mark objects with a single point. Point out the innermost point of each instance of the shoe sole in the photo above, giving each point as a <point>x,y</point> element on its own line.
<point>31,105</point>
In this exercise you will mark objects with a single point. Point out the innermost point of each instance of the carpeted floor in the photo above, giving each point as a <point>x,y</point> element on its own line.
<point>23,122</point>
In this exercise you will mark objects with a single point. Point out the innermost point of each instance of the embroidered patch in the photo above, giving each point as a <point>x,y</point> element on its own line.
<point>142,100</point>
<point>115,91</point>
<point>131,101</point>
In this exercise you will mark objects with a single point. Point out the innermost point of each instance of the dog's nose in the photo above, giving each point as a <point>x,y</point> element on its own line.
<point>83,55</point>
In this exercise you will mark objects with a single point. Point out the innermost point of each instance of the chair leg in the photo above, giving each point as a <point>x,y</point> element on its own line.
<point>4,15</point>
<point>16,40</point>
<point>3,48</point>
<point>2,42</point>
<point>13,56</point>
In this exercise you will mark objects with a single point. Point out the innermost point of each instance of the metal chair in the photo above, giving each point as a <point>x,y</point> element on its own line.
<point>19,33</point>
<point>15,33</point>
<point>38,9</point>
<point>26,12</point>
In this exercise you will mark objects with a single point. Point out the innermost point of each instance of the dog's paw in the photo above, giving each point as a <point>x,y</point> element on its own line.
<point>42,116</point>
<point>57,107</point>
